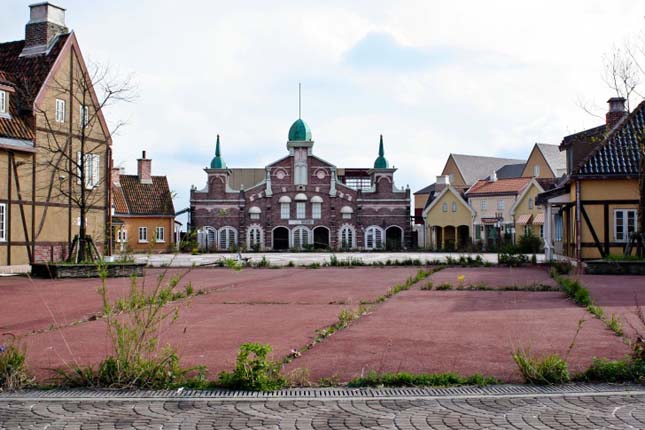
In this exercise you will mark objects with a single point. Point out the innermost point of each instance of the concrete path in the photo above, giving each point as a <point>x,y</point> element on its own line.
<point>602,407</point>
<point>303,258</point>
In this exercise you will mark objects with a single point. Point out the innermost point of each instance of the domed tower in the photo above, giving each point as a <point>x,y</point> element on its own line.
<point>381,161</point>
<point>218,162</point>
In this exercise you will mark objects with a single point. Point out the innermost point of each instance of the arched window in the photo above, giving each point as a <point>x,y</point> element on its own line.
<point>347,212</point>
<point>255,237</point>
<point>254,212</point>
<point>300,237</point>
<point>374,237</point>
<point>285,207</point>
<point>347,237</point>
<point>301,205</point>
<point>207,238</point>
<point>227,238</point>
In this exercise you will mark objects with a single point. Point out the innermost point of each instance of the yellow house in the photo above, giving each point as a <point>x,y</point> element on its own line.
<point>595,209</point>
<point>528,217</point>
<point>448,218</point>
<point>545,162</point>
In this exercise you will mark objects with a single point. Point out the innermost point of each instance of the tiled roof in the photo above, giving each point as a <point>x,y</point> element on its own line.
<point>583,136</point>
<point>28,75</point>
<point>426,190</point>
<point>556,159</point>
<point>510,171</point>
<point>118,200</point>
<point>618,154</point>
<point>474,167</point>
<point>500,186</point>
<point>144,199</point>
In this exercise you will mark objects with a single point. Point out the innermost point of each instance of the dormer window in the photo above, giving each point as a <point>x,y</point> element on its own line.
<point>4,102</point>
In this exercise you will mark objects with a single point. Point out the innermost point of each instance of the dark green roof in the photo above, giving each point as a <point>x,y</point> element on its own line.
<point>218,162</point>
<point>381,161</point>
<point>299,131</point>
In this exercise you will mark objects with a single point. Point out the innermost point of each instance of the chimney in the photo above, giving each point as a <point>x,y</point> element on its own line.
<point>493,177</point>
<point>616,111</point>
<point>46,21</point>
<point>144,169</point>
<point>441,183</point>
<point>116,176</point>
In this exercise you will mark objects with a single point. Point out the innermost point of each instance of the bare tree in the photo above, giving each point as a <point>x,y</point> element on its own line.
<point>78,158</point>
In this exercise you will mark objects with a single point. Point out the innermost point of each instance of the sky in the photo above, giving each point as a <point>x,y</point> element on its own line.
<point>434,77</point>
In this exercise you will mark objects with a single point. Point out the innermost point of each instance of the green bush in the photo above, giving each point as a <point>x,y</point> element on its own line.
<point>404,379</point>
<point>603,370</point>
<point>529,244</point>
<point>253,371</point>
<point>512,259</point>
<point>13,370</point>
<point>551,369</point>
<point>561,267</point>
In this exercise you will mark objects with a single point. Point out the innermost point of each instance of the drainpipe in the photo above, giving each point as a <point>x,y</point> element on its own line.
<point>578,225</point>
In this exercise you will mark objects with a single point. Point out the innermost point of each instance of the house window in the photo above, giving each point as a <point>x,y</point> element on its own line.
<point>347,237</point>
<point>300,210</point>
<point>227,237</point>
<point>454,206</point>
<point>542,231</point>
<point>347,212</point>
<point>478,232</point>
<point>122,235</point>
<point>536,171</point>
<point>211,235</point>
<point>143,234</point>
<point>484,205</point>
<point>255,238</point>
<point>4,99</point>
<point>300,237</point>
<point>160,234</point>
<point>284,210</point>
<point>60,110</point>
<point>530,203</point>
<point>528,231</point>
<point>3,222</point>
<point>358,183</point>
<point>316,210</point>
<point>500,205</point>
<point>92,169</point>
<point>444,207</point>
<point>557,223</point>
<point>347,216</point>
<point>374,237</point>
<point>624,224</point>
<point>85,115</point>
<point>255,216</point>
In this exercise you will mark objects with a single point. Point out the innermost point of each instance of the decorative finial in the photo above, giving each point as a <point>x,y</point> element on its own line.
<point>381,161</point>
<point>381,151</point>
<point>217,151</point>
<point>299,100</point>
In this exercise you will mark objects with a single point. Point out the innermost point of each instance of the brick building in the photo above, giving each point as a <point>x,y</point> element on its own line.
<point>301,201</point>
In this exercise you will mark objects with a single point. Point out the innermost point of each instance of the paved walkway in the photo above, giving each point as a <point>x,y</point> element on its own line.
<point>458,409</point>
<point>303,258</point>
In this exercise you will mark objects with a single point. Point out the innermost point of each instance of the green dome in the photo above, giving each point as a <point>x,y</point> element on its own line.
<point>299,131</point>
<point>381,161</point>
<point>218,162</point>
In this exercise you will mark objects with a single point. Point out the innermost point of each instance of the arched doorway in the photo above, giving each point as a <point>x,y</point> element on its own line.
<point>321,238</point>
<point>280,238</point>
<point>464,239</point>
<point>393,238</point>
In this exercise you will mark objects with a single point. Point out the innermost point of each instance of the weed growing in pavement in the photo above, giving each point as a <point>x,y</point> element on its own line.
<point>264,262</point>
<point>137,361</point>
<point>330,381</point>
<point>314,265</point>
<point>299,377</point>
<point>291,264</point>
<point>427,287</point>
<point>551,369</point>
<point>344,262</point>
<point>233,264</point>
<point>404,379</point>
<point>615,325</point>
<point>14,374</point>
<point>444,287</point>
<point>253,371</point>
<point>616,371</point>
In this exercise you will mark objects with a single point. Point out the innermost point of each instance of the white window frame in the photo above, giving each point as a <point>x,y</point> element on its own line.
<point>374,237</point>
<point>444,207</point>
<point>500,204</point>
<point>4,98</point>
<point>160,238</point>
<point>254,236</point>
<point>92,166</point>
<point>301,236</point>
<point>316,210</point>
<point>84,112</point>
<point>226,238</point>
<point>143,238</point>
<point>122,235</point>
<point>348,237</point>
<point>3,222</point>
<point>484,205</point>
<point>285,210</point>
<point>301,210</point>
<point>536,170</point>
<point>557,227</point>
<point>531,203</point>
<point>60,110</point>
<point>625,226</point>
<point>454,206</point>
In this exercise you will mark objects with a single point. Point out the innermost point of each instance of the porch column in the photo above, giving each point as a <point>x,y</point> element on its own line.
<point>443,238</point>
<point>456,237</point>
<point>548,249</point>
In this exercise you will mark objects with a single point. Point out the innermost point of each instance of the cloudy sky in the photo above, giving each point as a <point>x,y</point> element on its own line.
<point>434,77</point>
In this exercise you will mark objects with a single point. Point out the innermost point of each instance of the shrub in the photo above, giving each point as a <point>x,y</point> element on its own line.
<point>551,369</point>
<point>253,371</point>
<point>529,244</point>
<point>13,370</point>
<point>512,259</point>
<point>561,267</point>
<point>404,379</point>
<point>577,292</point>
<point>603,370</point>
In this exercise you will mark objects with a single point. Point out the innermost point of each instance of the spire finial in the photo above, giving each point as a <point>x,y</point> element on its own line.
<point>299,100</point>
<point>381,161</point>
<point>217,151</point>
<point>381,151</point>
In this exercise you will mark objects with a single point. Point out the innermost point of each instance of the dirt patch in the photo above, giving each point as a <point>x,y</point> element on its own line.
<point>494,277</point>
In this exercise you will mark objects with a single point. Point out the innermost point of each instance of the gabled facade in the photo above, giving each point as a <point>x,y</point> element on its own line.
<point>143,213</point>
<point>302,202</point>
<point>527,215</point>
<point>40,106</point>
<point>545,162</point>
<point>595,207</point>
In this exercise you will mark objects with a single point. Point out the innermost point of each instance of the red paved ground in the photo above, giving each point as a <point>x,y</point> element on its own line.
<point>494,276</point>
<point>36,304</point>
<point>282,307</point>
<point>461,331</point>
<point>618,295</point>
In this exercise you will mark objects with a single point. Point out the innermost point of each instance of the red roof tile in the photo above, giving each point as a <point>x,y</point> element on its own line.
<point>144,199</point>
<point>500,186</point>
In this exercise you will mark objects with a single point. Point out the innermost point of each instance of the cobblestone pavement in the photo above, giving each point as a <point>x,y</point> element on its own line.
<point>617,410</point>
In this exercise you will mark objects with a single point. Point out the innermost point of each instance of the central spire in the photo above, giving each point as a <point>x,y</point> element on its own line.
<point>381,161</point>
<point>299,100</point>
<point>217,162</point>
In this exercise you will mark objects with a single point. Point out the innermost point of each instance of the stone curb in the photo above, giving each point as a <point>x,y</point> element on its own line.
<point>332,393</point>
